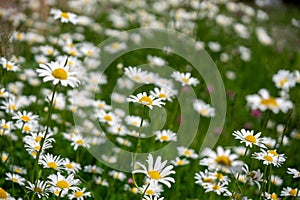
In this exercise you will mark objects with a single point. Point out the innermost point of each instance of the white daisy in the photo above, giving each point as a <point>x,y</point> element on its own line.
<point>135,121</point>
<point>61,182</point>
<point>136,74</point>
<point>115,47</point>
<point>25,117</point>
<point>144,99</point>
<point>164,93</point>
<point>263,101</point>
<point>284,79</point>
<point>117,175</point>
<point>185,79</point>
<point>249,138</point>
<point>186,152</point>
<point>222,159</point>
<point>203,109</point>
<point>270,157</point>
<point>41,188</point>
<point>157,171</point>
<point>16,178</point>
<point>165,136</point>
<point>51,161</point>
<point>288,191</point>
<point>180,162</point>
<point>79,194</point>
<point>64,17</point>
<point>71,167</point>
<point>58,72</point>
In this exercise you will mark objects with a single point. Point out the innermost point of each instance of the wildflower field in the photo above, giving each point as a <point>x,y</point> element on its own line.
<point>150,100</point>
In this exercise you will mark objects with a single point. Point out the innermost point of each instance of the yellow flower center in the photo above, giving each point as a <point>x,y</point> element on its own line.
<point>78,194</point>
<point>3,194</point>
<point>203,112</point>
<point>26,128</point>
<point>34,153</point>
<point>60,73</point>
<point>62,184</point>
<point>13,107</point>
<point>65,15</point>
<point>52,165</point>
<point>69,166</point>
<point>216,187</point>
<point>137,79</point>
<point>135,123</point>
<point>5,126</point>
<point>274,196</point>
<point>273,152</point>
<point>79,142</point>
<point>25,118</point>
<point>38,190</point>
<point>38,138</point>
<point>134,190</point>
<point>282,82</point>
<point>108,118</point>
<point>19,36</point>
<point>89,53</point>
<point>8,66</point>
<point>162,96</point>
<point>115,45</point>
<point>150,192</point>
<point>164,137</point>
<point>154,174</point>
<point>268,158</point>
<point>37,148</point>
<point>180,162</point>
<point>15,180</point>
<point>293,192</point>
<point>185,80</point>
<point>223,160</point>
<point>145,100</point>
<point>250,138</point>
<point>269,102</point>
<point>207,180</point>
<point>219,176</point>
<point>50,51</point>
<point>187,153</point>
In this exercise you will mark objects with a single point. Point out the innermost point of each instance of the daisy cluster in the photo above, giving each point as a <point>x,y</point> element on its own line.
<point>48,72</point>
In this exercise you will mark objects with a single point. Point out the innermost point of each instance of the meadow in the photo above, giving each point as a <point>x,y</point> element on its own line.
<point>149,100</point>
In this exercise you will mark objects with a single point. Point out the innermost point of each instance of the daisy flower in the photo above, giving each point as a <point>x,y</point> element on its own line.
<point>16,178</point>
<point>263,101</point>
<point>157,172</point>
<point>117,175</point>
<point>25,117</point>
<point>164,93</point>
<point>118,129</point>
<point>79,194</point>
<point>93,169</point>
<point>185,79</point>
<point>100,181</point>
<point>294,172</point>
<point>204,178</point>
<point>165,136</point>
<point>115,47</point>
<point>135,121</point>
<point>144,99</point>
<point>58,72</point>
<point>4,93</point>
<point>269,157</point>
<point>123,141</point>
<point>222,159</point>
<point>78,140</point>
<point>156,61</point>
<point>41,189</point>
<point>180,162</point>
<point>276,180</point>
<point>284,79</point>
<point>152,198</point>
<point>64,17</point>
<point>153,189</point>
<point>51,161</point>
<point>136,74</point>
<point>107,117</point>
<point>248,137</point>
<point>9,65</point>
<point>5,127</point>
<point>288,191</point>
<point>218,188</point>
<point>71,167</point>
<point>186,152</point>
<point>203,109</point>
<point>101,105</point>
<point>4,194</point>
<point>272,196</point>
<point>61,182</point>
<point>10,105</point>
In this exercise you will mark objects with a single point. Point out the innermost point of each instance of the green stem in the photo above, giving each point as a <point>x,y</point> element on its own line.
<point>136,150</point>
<point>36,167</point>
<point>270,181</point>
<point>263,184</point>
<point>286,127</point>
<point>145,191</point>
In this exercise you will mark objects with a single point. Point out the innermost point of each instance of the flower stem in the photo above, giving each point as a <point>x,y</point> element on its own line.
<point>137,148</point>
<point>145,191</point>
<point>36,167</point>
